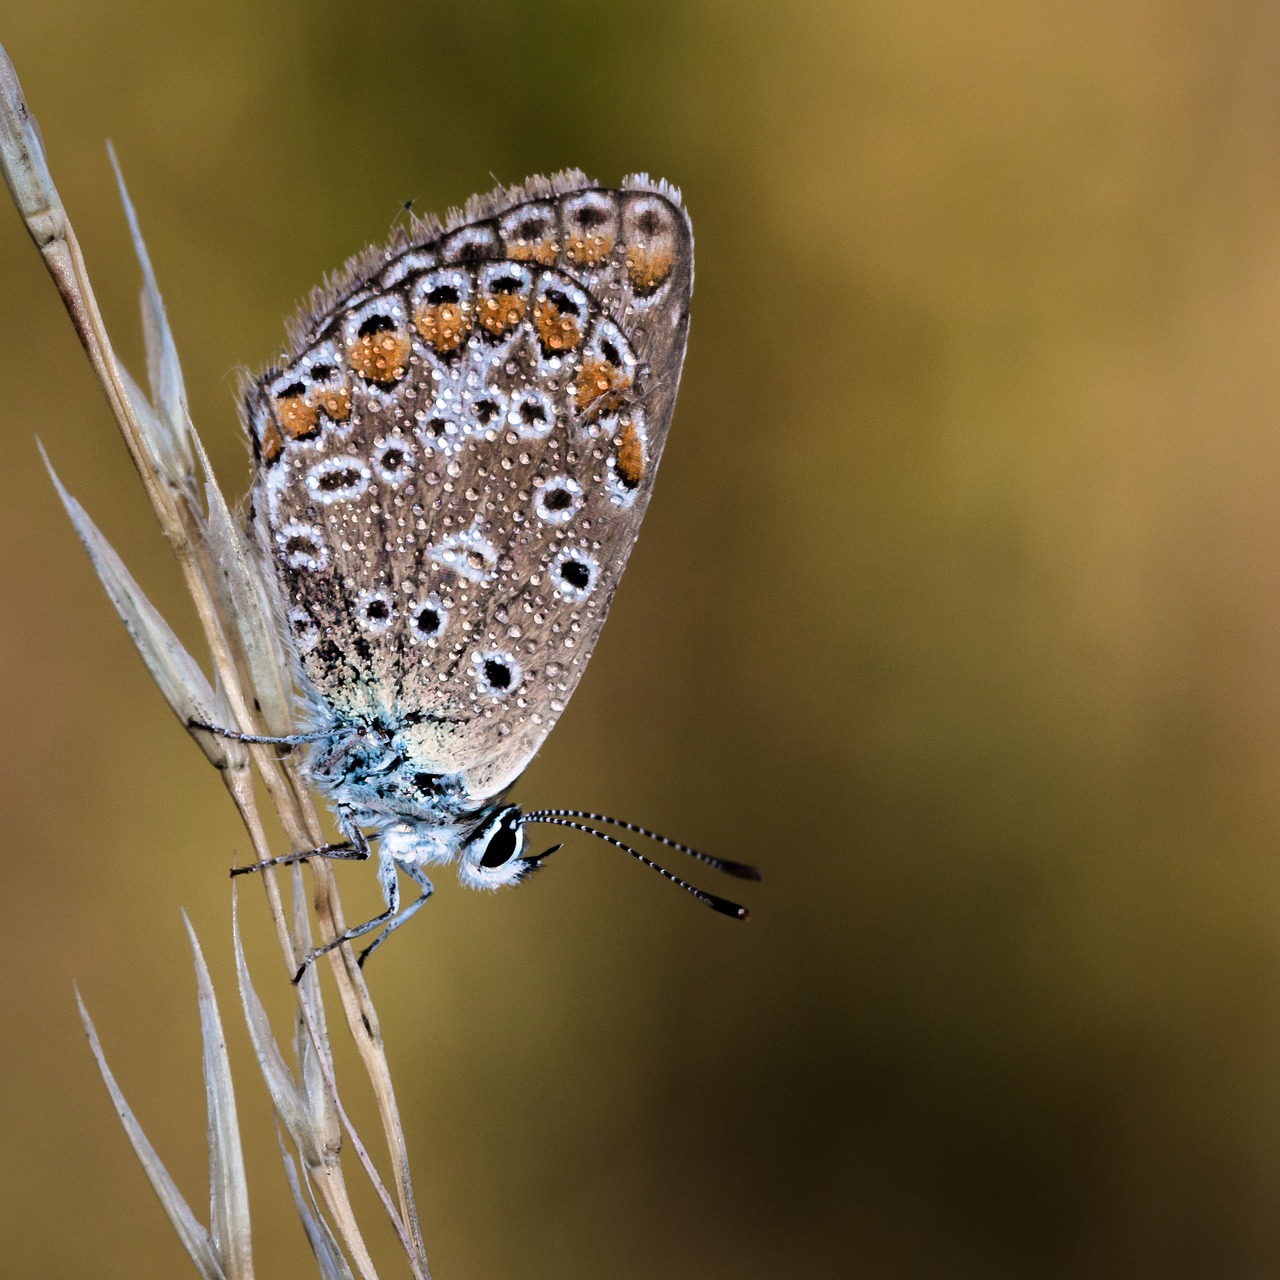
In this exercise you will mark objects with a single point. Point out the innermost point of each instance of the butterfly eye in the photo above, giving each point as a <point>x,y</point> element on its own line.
<point>504,843</point>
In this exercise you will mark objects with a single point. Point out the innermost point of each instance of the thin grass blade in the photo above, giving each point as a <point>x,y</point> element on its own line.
<point>248,604</point>
<point>22,157</point>
<point>172,446</point>
<point>286,1096</point>
<point>147,418</point>
<point>329,1258</point>
<point>178,675</point>
<point>228,1188</point>
<point>314,1055</point>
<point>195,1239</point>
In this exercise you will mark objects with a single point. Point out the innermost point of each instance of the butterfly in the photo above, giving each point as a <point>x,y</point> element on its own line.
<point>451,464</point>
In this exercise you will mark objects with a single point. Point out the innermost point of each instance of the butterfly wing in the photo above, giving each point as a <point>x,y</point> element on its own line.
<point>454,460</point>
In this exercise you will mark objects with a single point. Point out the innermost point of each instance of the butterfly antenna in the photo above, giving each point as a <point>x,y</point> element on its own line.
<point>716,903</point>
<point>739,869</point>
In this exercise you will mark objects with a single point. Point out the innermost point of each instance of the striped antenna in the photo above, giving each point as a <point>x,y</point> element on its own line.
<point>716,903</point>
<point>739,869</point>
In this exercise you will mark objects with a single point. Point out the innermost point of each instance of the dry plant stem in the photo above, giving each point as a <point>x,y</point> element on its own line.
<point>176,505</point>
<point>362,1018</point>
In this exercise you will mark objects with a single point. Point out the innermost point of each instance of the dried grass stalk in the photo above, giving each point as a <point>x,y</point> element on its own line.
<point>250,693</point>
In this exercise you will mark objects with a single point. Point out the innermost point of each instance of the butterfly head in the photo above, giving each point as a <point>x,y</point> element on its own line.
<point>494,855</point>
<point>488,845</point>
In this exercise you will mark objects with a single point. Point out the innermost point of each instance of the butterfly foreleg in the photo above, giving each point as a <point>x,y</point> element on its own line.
<point>262,739</point>
<point>353,849</point>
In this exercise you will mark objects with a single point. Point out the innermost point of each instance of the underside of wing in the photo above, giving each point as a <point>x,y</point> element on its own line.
<point>455,455</point>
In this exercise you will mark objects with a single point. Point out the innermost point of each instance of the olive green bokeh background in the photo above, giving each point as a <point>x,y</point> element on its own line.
<point>958,609</point>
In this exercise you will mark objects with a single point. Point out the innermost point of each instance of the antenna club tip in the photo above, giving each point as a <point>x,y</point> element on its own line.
<point>742,871</point>
<point>726,908</point>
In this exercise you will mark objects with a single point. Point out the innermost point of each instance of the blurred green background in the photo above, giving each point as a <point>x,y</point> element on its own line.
<point>958,609</point>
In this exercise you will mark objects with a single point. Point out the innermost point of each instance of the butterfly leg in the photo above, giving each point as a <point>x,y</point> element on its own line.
<point>418,876</point>
<point>392,917</point>
<point>355,848</point>
<point>288,740</point>
<point>356,931</point>
<point>346,851</point>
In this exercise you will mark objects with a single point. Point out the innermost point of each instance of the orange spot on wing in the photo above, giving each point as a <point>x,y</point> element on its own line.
<point>586,248</point>
<point>630,461</point>
<point>298,417</point>
<point>336,402</point>
<point>544,251</point>
<point>444,325</point>
<point>272,443</point>
<point>598,384</point>
<point>499,313</point>
<point>559,331</point>
<point>531,237</point>
<point>649,265</point>
<point>381,356</point>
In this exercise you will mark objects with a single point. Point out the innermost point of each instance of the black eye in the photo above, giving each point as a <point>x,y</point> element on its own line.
<point>557,499</point>
<point>429,621</point>
<point>424,781</point>
<point>502,847</point>
<point>575,573</point>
